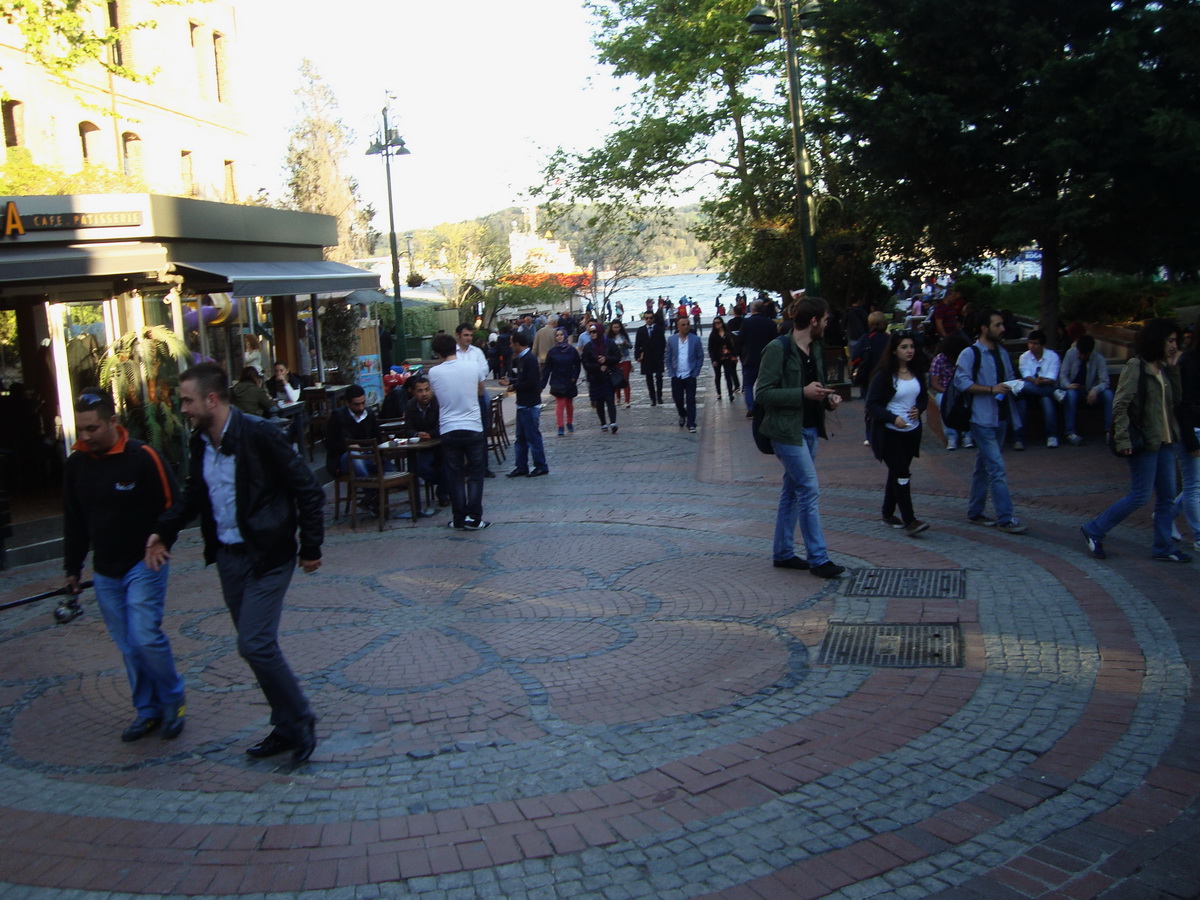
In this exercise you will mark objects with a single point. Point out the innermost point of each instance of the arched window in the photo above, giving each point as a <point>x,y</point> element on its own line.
<point>14,122</point>
<point>131,154</point>
<point>89,142</point>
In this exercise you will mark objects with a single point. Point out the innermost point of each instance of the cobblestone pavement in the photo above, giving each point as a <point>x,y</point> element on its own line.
<point>611,693</point>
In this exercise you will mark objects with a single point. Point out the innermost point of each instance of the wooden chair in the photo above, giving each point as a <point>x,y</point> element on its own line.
<point>318,409</point>
<point>384,484</point>
<point>497,434</point>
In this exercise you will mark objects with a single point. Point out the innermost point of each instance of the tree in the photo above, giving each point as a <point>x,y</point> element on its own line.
<point>696,117</point>
<point>474,255</point>
<point>317,148</point>
<point>993,125</point>
<point>19,175</point>
<point>62,35</point>
<point>615,237</point>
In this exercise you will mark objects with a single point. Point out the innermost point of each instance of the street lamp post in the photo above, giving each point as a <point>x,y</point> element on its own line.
<point>388,145</point>
<point>763,21</point>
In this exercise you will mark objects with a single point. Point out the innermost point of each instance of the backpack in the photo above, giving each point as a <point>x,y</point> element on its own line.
<point>761,441</point>
<point>955,408</point>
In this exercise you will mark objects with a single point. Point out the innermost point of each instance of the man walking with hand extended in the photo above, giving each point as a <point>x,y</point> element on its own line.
<point>251,490</point>
<point>116,488</point>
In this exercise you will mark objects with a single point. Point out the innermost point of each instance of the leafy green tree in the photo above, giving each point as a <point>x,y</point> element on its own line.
<point>697,116</point>
<point>62,35</point>
<point>316,151</point>
<point>994,125</point>
<point>21,176</point>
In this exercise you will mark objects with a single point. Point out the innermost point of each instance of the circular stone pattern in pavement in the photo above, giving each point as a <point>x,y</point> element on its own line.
<point>637,703</point>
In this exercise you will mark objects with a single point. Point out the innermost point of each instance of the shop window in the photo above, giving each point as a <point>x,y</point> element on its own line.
<point>89,142</point>
<point>131,154</point>
<point>14,123</point>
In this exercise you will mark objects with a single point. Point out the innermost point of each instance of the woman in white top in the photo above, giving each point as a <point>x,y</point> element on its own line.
<point>896,398</point>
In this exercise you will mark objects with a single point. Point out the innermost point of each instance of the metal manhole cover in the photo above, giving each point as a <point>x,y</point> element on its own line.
<point>935,584</point>
<point>892,646</point>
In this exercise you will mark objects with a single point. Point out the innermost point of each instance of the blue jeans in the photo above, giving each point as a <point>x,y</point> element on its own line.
<point>989,474</point>
<point>1188,501</point>
<point>1148,470</point>
<point>798,502</point>
<point>529,438</point>
<point>683,392</point>
<point>749,376</point>
<point>464,460</point>
<point>1075,397</point>
<point>1049,408</point>
<point>132,606</point>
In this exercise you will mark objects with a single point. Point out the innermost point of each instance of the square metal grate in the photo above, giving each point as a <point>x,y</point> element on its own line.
<point>933,584</point>
<point>892,646</point>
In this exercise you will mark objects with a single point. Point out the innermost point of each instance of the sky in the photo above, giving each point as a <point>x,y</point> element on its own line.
<point>484,90</point>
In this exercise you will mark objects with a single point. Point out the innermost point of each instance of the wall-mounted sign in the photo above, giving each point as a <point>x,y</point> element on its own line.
<point>15,223</point>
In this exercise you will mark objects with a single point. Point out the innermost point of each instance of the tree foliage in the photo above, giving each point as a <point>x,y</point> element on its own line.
<point>21,176</point>
<point>991,126</point>
<point>699,115</point>
<point>62,35</point>
<point>317,149</point>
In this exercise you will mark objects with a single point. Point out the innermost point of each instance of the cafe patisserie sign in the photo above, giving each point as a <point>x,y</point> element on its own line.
<point>15,223</point>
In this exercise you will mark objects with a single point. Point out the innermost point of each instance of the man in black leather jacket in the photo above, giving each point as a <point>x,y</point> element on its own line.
<point>251,490</point>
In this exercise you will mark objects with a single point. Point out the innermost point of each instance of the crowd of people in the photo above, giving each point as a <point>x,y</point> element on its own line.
<point>253,492</point>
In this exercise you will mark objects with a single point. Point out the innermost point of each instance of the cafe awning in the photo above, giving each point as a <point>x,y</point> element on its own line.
<point>41,263</point>
<point>266,279</point>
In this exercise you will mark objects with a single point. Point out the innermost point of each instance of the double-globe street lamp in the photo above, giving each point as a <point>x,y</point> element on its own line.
<point>390,144</point>
<point>763,21</point>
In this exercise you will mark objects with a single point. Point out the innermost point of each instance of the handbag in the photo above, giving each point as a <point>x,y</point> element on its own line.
<point>956,405</point>
<point>617,377</point>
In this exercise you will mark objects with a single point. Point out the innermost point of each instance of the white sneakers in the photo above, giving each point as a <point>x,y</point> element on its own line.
<point>1052,442</point>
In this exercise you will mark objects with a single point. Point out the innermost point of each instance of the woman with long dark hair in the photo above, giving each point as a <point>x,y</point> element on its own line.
<point>1145,430</point>
<point>619,336</point>
<point>722,352</point>
<point>896,398</point>
<point>601,358</point>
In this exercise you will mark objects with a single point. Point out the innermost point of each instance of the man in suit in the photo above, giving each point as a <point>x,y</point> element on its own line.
<point>347,424</point>
<point>756,332</point>
<point>526,382</point>
<point>650,350</point>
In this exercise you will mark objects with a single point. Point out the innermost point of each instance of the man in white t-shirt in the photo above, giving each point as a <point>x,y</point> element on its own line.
<point>457,384</point>
<point>466,351</point>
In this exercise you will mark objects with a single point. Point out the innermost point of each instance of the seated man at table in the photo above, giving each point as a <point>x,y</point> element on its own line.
<point>421,421</point>
<point>347,425</point>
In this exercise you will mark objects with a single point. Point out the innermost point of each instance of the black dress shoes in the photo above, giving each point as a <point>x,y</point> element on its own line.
<point>517,473</point>
<point>302,743</point>
<point>141,727</point>
<point>794,562</point>
<point>539,470</point>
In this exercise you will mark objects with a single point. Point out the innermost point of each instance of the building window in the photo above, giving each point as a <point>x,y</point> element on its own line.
<point>131,155</point>
<point>89,142</point>
<point>14,123</point>
<point>220,66</point>
<point>186,175</point>
<point>230,189</point>
<point>114,22</point>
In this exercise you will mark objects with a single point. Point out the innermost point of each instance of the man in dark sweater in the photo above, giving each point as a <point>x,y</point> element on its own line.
<point>526,382</point>
<point>347,424</point>
<point>116,488</point>
<point>421,421</point>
